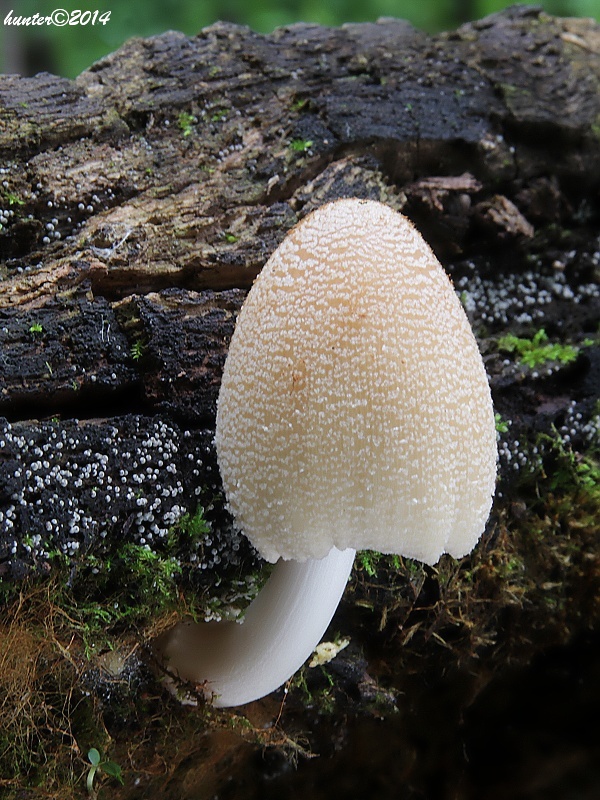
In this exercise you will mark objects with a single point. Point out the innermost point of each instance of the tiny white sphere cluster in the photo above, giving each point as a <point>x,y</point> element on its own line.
<point>65,489</point>
<point>6,215</point>
<point>7,212</point>
<point>521,298</point>
<point>62,215</point>
<point>579,428</point>
<point>519,457</point>
<point>69,215</point>
<point>501,301</point>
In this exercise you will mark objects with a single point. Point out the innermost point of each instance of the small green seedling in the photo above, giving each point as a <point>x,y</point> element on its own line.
<point>36,328</point>
<point>108,767</point>
<point>301,145</point>
<point>14,200</point>
<point>186,122</point>
<point>501,424</point>
<point>299,103</point>
<point>137,350</point>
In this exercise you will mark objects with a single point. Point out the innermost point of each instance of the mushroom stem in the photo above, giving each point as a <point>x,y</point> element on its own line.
<point>239,662</point>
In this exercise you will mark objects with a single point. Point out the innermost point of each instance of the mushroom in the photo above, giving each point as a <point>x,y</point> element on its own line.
<point>354,412</point>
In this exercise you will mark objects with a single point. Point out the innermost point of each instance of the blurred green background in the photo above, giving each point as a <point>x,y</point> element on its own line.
<point>69,49</point>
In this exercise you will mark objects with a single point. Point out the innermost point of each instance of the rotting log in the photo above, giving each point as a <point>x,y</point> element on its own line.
<point>139,201</point>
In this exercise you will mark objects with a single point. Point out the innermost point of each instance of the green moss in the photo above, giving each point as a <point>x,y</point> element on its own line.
<point>571,470</point>
<point>538,350</point>
<point>126,590</point>
<point>319,693</point>
<point>54,643</point>
<point>194,525</point>
<point>556,539</point>
<point>44,710</point>
<point>186,122</point>
<point>370,561</point>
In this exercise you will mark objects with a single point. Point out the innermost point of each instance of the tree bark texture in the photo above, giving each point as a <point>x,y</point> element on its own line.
<point>147,191</point>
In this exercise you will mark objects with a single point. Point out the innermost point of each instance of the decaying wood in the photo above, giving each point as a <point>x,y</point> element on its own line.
<point>172,163</point>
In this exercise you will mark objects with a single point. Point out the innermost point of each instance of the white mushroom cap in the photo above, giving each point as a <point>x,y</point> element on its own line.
<point>355,410</point>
